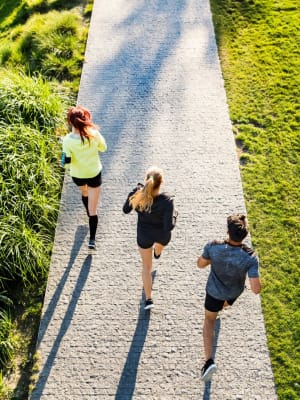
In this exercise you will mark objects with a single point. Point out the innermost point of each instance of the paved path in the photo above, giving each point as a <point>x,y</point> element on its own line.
<point>152,80</point>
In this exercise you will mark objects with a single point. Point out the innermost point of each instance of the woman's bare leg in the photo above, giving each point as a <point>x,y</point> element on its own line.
<point>94,196</point>
<point>84,197</point>
<point>208,333</point>
<point>146,255</point>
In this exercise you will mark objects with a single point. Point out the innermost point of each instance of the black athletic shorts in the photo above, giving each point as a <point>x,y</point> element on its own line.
<point>91,182</point>
<point>215,305</point>
<point>147,238</point>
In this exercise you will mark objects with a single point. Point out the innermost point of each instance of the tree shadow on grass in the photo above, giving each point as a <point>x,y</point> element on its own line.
<point>227,14</point>
<point>20,11</point>
<point>128,378</point>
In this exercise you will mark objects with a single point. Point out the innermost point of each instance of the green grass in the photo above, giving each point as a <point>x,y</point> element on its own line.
<point>258,44</point>
<point>41,52</point>
<point>259,48</point>
<point>50,41</point>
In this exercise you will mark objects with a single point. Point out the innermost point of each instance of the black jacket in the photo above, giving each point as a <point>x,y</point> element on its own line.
<point>160,216</point>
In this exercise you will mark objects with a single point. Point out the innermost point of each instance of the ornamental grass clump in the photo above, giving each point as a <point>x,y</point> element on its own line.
<point>30,175</point>
<point>30,181</point>
<point>49,43</point>
<point>6,344</point>
<point>29,100</point>
<point>41,53</point>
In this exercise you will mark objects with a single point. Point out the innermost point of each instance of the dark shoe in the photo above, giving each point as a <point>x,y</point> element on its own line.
<point>155,255</point>
<point>148,304</point>
<point>92,244</point>
<point>208,369</point>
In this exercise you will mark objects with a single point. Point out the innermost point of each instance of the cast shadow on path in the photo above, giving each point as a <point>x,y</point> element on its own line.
<point>80,233</point>
<point>207,387</point>
<point>123,100</point>
<point>45,372</point>
<point>128,378</point>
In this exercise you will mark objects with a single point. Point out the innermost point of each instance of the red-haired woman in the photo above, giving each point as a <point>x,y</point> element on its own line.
<point>81,153</point>
<point>155,222</point>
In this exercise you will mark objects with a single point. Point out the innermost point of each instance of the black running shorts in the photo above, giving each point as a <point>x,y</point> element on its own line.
<point>91,182</point>
<point>147,238</point>
<point>215,305</point>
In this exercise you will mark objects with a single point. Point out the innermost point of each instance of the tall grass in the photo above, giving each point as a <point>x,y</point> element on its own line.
<point>6,344</point>
<point>29,101</point>
<point>31,111</point>
<point>30,175</point>
<point>41,51</point>
<point>51,44</point>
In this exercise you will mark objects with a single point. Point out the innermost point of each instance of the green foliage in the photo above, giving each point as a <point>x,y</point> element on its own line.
<point>30,175</point>
<point>50,43</point>
<point>17,12</point>
<point>259,49</point>
<point>6,344</point>
<point>30,101</point>
<point>41,52</point>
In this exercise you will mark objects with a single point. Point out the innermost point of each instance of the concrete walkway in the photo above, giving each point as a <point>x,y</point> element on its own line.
<point>153,82</point>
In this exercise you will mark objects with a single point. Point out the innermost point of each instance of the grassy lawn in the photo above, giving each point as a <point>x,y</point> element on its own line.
<point>258,43</point>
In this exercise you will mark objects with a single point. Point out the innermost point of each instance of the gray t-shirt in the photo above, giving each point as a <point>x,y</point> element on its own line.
<point>229,267</point>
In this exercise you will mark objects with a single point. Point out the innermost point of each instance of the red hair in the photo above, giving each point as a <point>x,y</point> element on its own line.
<point>80,117</point>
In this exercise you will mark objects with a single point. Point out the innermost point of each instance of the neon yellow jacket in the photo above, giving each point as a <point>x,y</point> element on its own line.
<point>85,159</point>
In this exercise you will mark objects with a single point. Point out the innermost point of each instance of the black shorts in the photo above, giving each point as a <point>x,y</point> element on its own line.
<point>91,182</point>
<point>215,305</point>
<point>146,239</point>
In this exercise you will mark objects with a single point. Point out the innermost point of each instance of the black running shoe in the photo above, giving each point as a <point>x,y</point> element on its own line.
<point>92,244</point>
<point>148,304</point>
<point>208,369</point>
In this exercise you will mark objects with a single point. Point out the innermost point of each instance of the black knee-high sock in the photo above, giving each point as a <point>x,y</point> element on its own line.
<point>93,223</point>
<point>85,201</point>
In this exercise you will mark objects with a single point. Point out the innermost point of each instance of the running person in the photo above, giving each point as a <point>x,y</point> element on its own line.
<point>230,262</point>
<point>81,153</point>
<point>155,223</point>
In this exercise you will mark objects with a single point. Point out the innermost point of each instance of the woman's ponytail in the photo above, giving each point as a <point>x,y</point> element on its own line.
<point>142,199</point>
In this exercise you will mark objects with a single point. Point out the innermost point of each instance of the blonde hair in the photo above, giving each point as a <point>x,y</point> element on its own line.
<point>142,199</point>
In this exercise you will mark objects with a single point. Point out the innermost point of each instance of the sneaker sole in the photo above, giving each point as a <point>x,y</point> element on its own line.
<point>149,307</point>
<point>208,373</point>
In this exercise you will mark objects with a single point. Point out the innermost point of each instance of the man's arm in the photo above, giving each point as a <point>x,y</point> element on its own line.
<point>255,285</point>
<point>202,262</point>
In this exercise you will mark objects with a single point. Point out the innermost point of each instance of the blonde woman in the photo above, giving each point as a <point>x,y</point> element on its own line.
<point>155,222</point>
<point>81,154</point>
